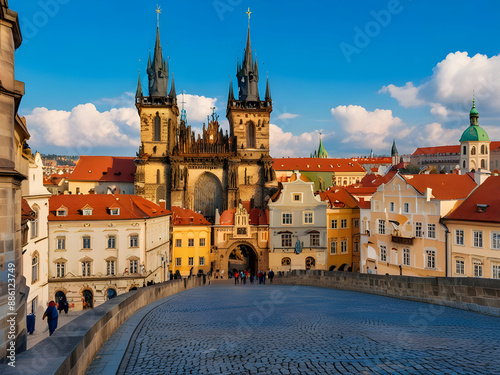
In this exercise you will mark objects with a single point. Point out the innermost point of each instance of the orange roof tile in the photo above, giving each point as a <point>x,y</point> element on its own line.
<point>487,196</point>
<point>185,216</point>
<point>375,160</point>
<point>257,216</point>
<point>338,197</point>
<point>104,168</point>
<point>444,186</point>
<point>317,165</point>
<point>455,149</point>
<point>26,212</point>
<point>131,207</point>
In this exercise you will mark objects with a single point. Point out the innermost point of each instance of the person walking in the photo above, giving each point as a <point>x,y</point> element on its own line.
<point>271,276</point>
<point>236,274</point>
<point>52,315</point>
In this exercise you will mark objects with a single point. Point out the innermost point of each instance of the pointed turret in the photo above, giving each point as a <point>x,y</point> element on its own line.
<point>158,71</point>
<point>248,75</point>
<point>322,151</point>
<point>394,150</point>
<point>230,97</point>
<point>248,60</point>
<point>173,94</point>
<point>138,93</point>
<point>268,91</point>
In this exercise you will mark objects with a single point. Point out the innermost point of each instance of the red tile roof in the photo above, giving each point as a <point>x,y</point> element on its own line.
<point>55,179</point>
<point>455,149</point>
<point>104,168</point>
<point>185,216</point>
<point>227,217</point>
<point>257,216</point>
<point>444,186</point>
<point>131,207</point>
<point>375,160</point>
<point>26,212</point>
<point>339,197</point>
<point>317,165</point>
<point>487,195</point>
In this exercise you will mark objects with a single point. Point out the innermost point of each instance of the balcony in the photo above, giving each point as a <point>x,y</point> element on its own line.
<point>403,240</point>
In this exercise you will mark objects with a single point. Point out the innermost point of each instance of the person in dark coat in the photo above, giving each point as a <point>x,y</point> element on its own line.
<point>270,275</point>
<point>52,315</point>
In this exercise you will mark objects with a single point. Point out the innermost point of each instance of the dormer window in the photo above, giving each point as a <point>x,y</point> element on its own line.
<point>481,208</point>
<point>114,211</point>
<point>62,211</point>
<point>87,212</point>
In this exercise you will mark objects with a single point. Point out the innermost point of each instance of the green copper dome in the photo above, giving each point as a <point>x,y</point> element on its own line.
<point>473,110</point>
<point>474,133</point>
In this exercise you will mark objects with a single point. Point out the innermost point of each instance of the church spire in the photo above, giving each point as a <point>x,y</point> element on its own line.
<point>268,91</point>
<point>230,97</point>
<point>173,94</point>
<point>248,73</point>
<point>138,93</point>
<point>157,69</point>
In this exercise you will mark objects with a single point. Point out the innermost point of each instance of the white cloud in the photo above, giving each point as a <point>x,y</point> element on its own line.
<point>286,116</point>
<point>285,144</point>
<point>126,100</point>
<point>435,135</point>
<point>365,129</point>
<point>197,107</point>
<point>84,127</point>
<point>448,91</point>
<point>407,96</point>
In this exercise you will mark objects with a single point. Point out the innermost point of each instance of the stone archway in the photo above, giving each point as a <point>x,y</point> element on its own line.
<point>243,257</point>
<point>208,195</point>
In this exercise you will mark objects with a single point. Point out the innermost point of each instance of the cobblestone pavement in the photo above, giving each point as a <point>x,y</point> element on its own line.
<point>266,329</point>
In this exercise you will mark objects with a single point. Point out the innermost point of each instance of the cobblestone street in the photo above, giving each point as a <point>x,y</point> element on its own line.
<point>266,329</point>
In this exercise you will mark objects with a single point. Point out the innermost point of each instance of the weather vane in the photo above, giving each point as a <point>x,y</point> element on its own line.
<point>158,12</point>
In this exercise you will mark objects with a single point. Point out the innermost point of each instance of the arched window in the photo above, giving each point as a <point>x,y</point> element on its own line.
<point>251,135</point>
<point>34,222</point>
<point>465,150</point>
<point>34,268</point>
<point>158,176</point>
<point>286,261</point>
<point>157,135</point>
<point>483,164</point>
<point>464,164</point>
<point>310,263</point>
<point>484,149</point>
<point>473,150</point>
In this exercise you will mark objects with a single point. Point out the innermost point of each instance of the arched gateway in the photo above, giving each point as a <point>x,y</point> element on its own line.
<point>243,257</point>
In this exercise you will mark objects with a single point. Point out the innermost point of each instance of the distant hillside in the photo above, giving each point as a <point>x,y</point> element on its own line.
<point>59,159</point>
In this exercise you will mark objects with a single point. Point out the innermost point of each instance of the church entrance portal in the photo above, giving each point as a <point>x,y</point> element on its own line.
<point>242,258</point>
<point>208,196</point>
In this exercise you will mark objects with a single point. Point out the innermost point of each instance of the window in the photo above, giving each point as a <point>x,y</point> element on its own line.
<point>333,224</point>
<point>459,267</point>
<point>34,304</point>
<point>61,243</point>
<point>473,150</point>
<point>333,247</point>
<point>343,223</point>
<point>190,242</point>
<point>202,241</point>
<point>383,254</point>
<point>478,269</point>
<point>287,218</point>
<point>431,258</point>
<point>495,240</point>
<point>178,243</point>
<point>110,268</point>
<point>134,266</point>
<point>356,246</point>
<point>431,230</point>
<point>34,268</point>
<point>157,128</point>
<point>178,262</point>
<point>87,212</point>
<point>285,261</point>
<point>60,269</point>
<point>61,213</point>
<point>478,238</point>
<point>314,239</point>
<point>134,240</point>
<point>343,246</point>
<point>114,211</point>
<point>34,223</point>
<point>381,226</point>
<point>495,272</point>
<point>392,206</point>
<point>297,197</point>
<point>356,223</point>
<point>202,261</point>
<point>190,261</point>
<point>406,207</point>
<point>286,240</point>
<point>464,151</point>
<point>85,268</point>
<point>406,257</point>
<point>418,229</point>
<point>86,242</point>
<point>459,237</point>
<point>112,242</point>
<point>308,218</point>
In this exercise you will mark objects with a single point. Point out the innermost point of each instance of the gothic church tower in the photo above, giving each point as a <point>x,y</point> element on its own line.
<point>158,113</point>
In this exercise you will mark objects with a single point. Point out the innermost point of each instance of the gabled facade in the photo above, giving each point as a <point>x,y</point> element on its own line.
<point>191,239</point>
<point>297,226</point>
<point>404,234</point>
<point>36,250</point>
<point>103,245</point>
<point>474,238</point>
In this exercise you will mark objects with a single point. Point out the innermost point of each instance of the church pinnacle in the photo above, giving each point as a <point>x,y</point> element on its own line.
<point>248,72</point>
<point>158,68</point>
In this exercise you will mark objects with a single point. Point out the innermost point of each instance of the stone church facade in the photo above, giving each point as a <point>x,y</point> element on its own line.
<point>207,172</point>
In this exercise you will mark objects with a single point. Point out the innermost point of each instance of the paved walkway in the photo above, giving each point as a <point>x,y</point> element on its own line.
<point>266,329</point>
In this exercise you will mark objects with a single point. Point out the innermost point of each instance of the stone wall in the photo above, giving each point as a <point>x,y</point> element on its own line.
<point>70,350</point>
<point>472,294</point>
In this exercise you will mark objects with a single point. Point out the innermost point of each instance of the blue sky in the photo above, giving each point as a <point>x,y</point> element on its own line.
<point>361,72</point>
